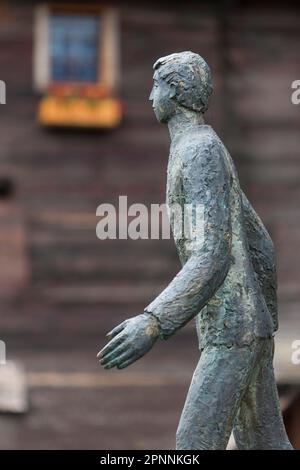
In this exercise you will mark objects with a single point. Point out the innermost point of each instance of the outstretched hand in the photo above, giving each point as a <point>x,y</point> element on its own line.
<point>129,341</point>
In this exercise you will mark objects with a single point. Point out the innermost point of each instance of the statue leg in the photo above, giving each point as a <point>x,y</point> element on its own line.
<point>259,423</point>
<point>218,384</point>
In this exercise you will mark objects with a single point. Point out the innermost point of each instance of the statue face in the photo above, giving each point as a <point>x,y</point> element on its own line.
<point>163,103</point>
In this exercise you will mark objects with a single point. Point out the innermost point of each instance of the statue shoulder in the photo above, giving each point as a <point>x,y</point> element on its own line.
<point>202,148</point>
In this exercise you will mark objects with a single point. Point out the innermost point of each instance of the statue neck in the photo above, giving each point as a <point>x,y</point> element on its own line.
<point>182,121</point>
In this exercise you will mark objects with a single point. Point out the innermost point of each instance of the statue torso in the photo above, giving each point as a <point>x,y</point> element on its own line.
<point>237,313</point>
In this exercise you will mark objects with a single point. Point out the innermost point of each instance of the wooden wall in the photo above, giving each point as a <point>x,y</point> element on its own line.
<point>56,276</point>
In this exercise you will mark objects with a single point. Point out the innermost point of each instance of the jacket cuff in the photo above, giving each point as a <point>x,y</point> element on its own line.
<point>162,335</point>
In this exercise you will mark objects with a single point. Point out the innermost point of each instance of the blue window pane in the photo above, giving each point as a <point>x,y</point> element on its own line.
<point>74,47</point>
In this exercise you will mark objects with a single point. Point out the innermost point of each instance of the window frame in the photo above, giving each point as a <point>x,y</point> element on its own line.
<point>108,49</point>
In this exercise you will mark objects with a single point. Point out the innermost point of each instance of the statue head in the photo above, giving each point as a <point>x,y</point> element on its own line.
<point>180,79</point>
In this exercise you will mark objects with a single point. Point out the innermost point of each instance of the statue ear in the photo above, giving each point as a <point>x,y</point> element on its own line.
<point>172,92</point>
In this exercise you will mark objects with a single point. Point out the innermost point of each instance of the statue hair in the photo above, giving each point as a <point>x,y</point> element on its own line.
<point>191,77</point>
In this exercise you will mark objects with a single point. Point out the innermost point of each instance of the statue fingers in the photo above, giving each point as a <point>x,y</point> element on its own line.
<point>111,345</point>
<point>111,355</point>
<point>117,329</point>
<point>126,363</point>
<point>118,360</point>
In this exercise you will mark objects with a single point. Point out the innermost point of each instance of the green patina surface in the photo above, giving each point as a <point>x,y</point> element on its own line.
<point>227,281</point>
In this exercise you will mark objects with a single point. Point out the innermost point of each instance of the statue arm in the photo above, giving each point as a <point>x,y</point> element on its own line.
<point>205,181</point>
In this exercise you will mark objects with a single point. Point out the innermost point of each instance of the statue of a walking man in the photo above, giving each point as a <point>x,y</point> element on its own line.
<point>228,283</point>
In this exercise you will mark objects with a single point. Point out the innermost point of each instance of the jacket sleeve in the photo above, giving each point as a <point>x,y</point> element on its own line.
<point>206,185</point>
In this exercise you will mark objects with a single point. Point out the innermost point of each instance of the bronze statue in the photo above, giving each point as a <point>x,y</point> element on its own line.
<point>228,283</point>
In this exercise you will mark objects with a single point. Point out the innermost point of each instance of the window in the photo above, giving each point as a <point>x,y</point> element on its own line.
<point>74,47</point>
<point>76,65</point>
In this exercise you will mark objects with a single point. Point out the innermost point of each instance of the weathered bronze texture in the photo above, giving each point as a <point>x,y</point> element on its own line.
<point>227,282</point>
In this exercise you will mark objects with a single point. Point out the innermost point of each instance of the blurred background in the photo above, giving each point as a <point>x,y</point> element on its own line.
<point>78,130</point>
